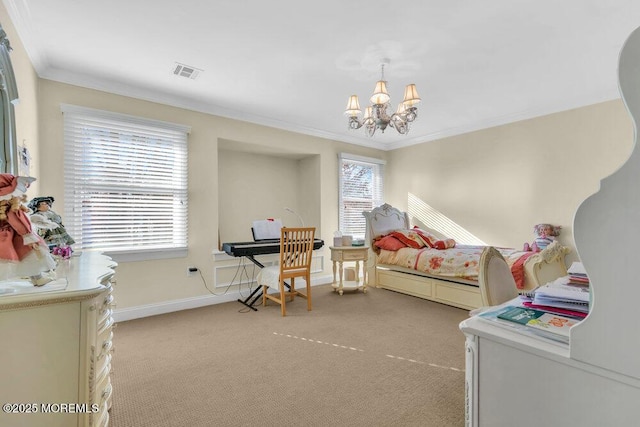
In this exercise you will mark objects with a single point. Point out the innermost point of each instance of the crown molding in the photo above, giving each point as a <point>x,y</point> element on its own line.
<point>19,13</point>
<point>207,108</point>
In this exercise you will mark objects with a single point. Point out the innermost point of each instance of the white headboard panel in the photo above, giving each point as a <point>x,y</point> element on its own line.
<point>383,220</point>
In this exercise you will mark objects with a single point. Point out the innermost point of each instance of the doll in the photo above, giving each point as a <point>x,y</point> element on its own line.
<point>22,252</point>
<point>545,235</point>
<point>54,234</point>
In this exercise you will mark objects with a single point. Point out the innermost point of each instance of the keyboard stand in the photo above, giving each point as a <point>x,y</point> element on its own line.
<point>247,301</point>
<point>255,291</point>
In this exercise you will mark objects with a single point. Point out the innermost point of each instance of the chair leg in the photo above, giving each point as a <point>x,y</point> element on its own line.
<point>308,278</point>
<point>292,290</point>
<point>283,307</point>
<point>265,289</point>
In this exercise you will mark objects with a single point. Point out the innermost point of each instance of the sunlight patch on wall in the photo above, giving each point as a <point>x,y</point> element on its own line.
<point>439,222</point>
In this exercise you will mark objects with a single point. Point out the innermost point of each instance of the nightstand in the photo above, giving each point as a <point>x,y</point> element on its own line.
<point>341,254</point>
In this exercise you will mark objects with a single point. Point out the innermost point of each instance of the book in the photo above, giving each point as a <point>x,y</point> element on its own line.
<point>561,294</point>
<point>577,268</point>
<point>491,314</point>
<point>578,275</point>
<point>544,322</point>
<point>556,310</point>
<point>562,291</point>
<point>561,303</point>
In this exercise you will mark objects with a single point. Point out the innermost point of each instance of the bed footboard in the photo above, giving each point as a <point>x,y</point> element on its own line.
<point>545,266</point>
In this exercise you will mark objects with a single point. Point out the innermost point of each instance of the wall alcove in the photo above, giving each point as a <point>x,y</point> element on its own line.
<point>250,173</point>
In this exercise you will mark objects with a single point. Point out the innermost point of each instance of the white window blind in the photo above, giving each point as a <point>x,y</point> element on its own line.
<point>361,190</point>
<point>125,182</point>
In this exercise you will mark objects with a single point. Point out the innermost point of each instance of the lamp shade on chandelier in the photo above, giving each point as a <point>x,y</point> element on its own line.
<point>376,115</point>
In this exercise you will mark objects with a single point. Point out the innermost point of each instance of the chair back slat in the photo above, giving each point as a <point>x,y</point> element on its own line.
<point>296,247</point>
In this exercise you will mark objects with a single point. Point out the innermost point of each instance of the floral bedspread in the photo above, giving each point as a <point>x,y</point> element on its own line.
<point>462,261</point>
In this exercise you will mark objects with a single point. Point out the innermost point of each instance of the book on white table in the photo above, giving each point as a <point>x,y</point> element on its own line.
<point>562,290</point>
<point>551,325</point>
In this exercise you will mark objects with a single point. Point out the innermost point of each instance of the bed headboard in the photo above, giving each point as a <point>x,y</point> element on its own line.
<point>383,220</point>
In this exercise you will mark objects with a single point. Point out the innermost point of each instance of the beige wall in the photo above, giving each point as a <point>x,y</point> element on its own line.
<point>497,183</point>
<point>248,153</point>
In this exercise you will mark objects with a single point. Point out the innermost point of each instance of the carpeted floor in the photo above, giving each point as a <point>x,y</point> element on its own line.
<point>374,359</point>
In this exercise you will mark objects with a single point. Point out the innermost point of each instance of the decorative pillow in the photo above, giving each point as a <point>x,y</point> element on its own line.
<point>433,241</point>
<point>428,238</point>
<point>409,237</point>
<point>389,243</point>
<point>445,244</point>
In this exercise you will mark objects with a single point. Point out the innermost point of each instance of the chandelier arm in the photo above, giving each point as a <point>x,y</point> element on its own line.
<point>354,123</point>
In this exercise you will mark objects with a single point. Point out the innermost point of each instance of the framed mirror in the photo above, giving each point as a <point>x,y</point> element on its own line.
<point>8,97</point>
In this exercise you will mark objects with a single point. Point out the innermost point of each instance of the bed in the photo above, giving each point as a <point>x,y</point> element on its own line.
<point>447,272</point>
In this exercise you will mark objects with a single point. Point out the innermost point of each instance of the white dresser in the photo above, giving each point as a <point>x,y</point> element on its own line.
<point>518,380</point>
<point>55,348</point>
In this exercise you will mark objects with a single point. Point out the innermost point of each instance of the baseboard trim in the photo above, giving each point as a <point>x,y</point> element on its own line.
<point>137,312</point>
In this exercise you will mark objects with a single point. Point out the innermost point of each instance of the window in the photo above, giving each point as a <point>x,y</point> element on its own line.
<point>125,184</point>
<point>360,190</point>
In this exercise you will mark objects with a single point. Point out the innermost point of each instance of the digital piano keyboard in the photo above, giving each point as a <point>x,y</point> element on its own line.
<point>262,247</point>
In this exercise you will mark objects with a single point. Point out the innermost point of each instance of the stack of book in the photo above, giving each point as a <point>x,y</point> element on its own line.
<point>547,311</point>
<point>560,297</point>
<point>578,275</point>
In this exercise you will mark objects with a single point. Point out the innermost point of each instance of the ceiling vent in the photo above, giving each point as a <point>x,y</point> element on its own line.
<point>187,71</point>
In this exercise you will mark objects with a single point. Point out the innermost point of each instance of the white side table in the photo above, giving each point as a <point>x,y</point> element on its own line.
<point>340,254</point>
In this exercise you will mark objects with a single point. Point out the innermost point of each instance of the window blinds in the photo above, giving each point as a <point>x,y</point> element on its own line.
<point>125,181</point>
<point>361,189</point>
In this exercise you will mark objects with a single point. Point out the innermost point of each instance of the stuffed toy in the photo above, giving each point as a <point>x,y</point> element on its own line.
<point>48,223</point>
<point>545,235</point>
<point>22,252</point>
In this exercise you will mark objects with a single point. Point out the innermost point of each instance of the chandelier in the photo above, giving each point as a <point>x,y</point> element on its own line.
<point>376,116</point>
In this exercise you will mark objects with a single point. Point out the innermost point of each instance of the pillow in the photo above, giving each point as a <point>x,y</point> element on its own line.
<point>445,244</point>
<point>433,241</point>
<point>389,243</point>
<point>409,237</point>
<point>428,238</point>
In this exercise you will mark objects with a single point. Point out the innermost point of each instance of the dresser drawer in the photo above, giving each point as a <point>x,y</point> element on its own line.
<point>104,345</point>
<point>103,397</point>
<point>103,379</point>
<point>107,303</point>
<point>354,256</point>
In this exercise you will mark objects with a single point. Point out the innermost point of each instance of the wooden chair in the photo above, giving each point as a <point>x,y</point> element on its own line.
<point>497,284</point>
<point>296,247</point>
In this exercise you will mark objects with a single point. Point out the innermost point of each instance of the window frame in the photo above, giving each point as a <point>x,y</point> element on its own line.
<point>133,250</point>
<point>377,197</point>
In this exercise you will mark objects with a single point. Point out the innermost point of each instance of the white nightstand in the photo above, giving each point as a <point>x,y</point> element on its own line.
<point>340,254</point>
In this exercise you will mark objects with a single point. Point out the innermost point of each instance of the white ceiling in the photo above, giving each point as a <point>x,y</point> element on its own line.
<point>292,64</point>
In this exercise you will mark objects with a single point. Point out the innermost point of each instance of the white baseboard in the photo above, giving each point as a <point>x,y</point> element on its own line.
<point>130,313</point>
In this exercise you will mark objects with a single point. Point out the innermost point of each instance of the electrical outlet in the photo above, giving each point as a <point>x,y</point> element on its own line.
<point>191,271</point>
